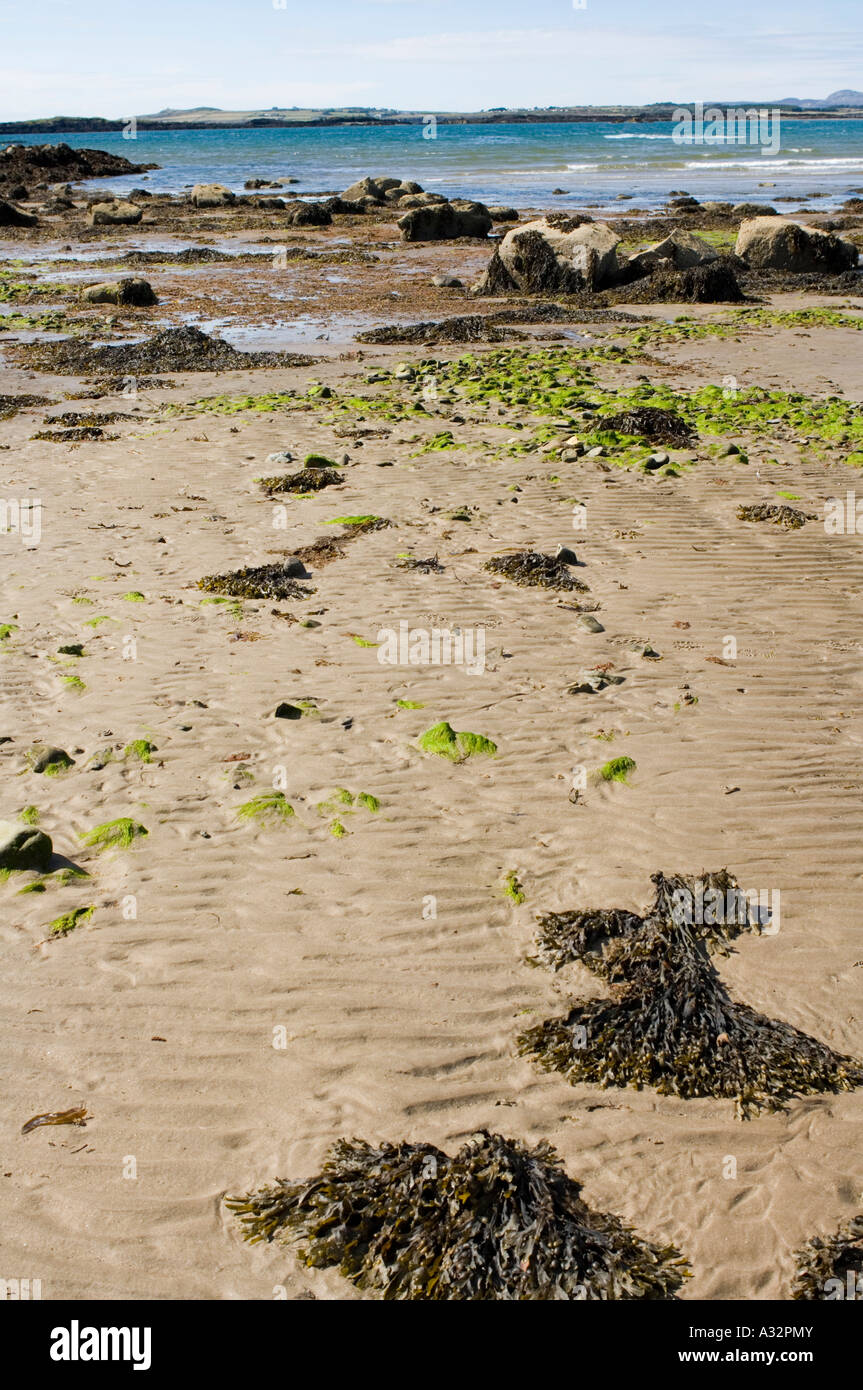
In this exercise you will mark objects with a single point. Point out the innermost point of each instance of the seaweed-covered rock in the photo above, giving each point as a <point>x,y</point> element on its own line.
<point>533,569</point>
<point>132,290</point>
<point>714,282</point>
<point>212,195</point>
<point>22,847</point>
<point>463,328</point>
<point>497,1221</point>
<point>831,1268</point>
<point>115,213</point>
<point>670,1022</point>
<point>552,255</point>
<point>12,216</point>
<point>309,215</point>
<point>256,581</point>
<point>185,349</point>
<point>775,243</point>
<point>681,249</point>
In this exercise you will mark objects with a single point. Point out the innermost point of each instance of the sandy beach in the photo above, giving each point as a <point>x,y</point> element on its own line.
<point>246,991</point>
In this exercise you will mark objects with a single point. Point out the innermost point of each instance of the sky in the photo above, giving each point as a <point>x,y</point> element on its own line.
<point>132,57</point>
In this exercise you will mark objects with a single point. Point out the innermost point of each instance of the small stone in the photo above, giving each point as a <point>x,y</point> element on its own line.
<point>447,282</point>
<point>287,711</point>
<point>42,758</point>
<point>280,459</point>
<point>596,452</point>
<point>658,460</point>
<point>727,451</point>
<point>294,568</point>
<point>589,623</point>
<point>566,555</point>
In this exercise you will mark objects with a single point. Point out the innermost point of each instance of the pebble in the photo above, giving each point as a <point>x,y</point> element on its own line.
<point>589,623</point>
<point>278,460</point>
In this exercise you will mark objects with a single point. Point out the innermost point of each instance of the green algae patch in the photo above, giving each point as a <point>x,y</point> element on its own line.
<point>319,461</point>
<point>270,808</point>
<point>368,801</point>
<point>6,630</point>
<point>410,704</point>
<point>29,815</point>
<point>62,926</point>
<point>354,520</point>
<point>337,829</point>
<point>513,889</point>
<point>73,682</point>
<point>617,770</point>
<point>134,596</point>
<point>671,1023</point>
<point>140,749</point>
<point>497,1221</point>
<point>439,443</point>
<point>363,641</point>
<point>115,834</point>
<point>443,740</point>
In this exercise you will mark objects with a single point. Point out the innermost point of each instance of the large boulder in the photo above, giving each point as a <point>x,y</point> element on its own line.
<point>10,216</point>
<point>133,290</point>
<point>557,254</point>
<point>712,282</point>
<point>116,213</point>
<point>444,221</point>
<point>743,210</point>
<point>776,243</point>
<point>212,195</point>
<point>682,250</point>
<point>22,847</point>
<point>381,189</point>
<point>309,215</point>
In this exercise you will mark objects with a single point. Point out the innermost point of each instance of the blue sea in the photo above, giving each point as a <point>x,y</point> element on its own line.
<point>516,163</point>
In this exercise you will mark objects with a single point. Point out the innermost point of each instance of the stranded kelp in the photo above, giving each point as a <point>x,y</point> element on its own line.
<point>530,568</point>
<point>306,480</point>
<point>174,350</point>
<point>651,423</point>
<point>780,514</point>
<point>256,581</point>
<point>498,1220</point>
<point>670,1022</point>
<point>831,1268</point>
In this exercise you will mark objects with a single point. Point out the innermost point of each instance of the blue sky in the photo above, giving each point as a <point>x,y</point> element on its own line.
<point>123,57</point>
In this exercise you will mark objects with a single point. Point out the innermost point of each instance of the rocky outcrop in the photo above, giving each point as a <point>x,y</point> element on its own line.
<point>445,221</point>
<point>680,250</point>
<point>309,215</point>
<point>212,195</point>
<point>116,213</point>
<point>552,255</point>
<point>36,166</point>
<point>713,282</point>
<point>133,291</point>
<point>11,216</point>
<point>775,243</point>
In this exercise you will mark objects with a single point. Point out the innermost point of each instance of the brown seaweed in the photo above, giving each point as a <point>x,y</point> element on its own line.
<point>530,568</point>
<point>306,480</point>
<point>831,1268</point>
<point>670,1022</point>
<point>497,1221</point>
<point>76,1116</point>
<point>651,423</point>
<point>256,581</point>
<point>781,515</point>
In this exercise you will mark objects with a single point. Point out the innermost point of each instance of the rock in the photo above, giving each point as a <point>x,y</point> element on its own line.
<point>294,569</point>
<point>212,195</point>
<point>309,215</point>
<point>447,282</point>
<point>658,460</point>
<point>775,243</point>
<point>10,216</point>
<point>728,451</point>
<point>591,682</point>
<point>116,213</point>
<point>382,190</point>
<point>552,254</point>
<point>22,847</point>
<point>721,209</point>
<point>344,206</point>
<point>744,210</point>
<point>279,459</point>
<point>681,249</point>
<point>559,192</point>
<point>566,555</point>
<point>588,623</point>
<point>133,290</point>
<point>498,214</point>
<point>711,283</point>
<point>420,200</point>
<point>288,711</point>
<point>685,203</point>
<point>43,758</point>
<point>596,452</point>
<point>445,221</point>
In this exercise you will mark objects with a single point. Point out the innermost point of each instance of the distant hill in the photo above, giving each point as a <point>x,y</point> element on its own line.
<point>847,97</point>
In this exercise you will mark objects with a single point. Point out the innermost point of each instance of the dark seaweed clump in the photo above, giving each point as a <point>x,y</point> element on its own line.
<point>431,565</point>
<point>714,282</point>
<point>546,311</point>
<point>464,328</point>
<point>532,568</point>
<point>74,435</point>
<point>174,350</point>
<point>256,581</point>
<point>649,422</point>
<point>670,1022</point>
<point>831,1257</point>
<point>498,1220</point>
<point>781,515</point>
<point>328,548</point>
<point>307,480</point>
<point>10,405</point>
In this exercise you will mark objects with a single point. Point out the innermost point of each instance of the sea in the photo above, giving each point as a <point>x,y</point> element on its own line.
<point>596,164</point>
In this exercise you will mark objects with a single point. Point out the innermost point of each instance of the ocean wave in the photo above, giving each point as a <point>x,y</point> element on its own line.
<point>638,137</point>
<point>766,164</point>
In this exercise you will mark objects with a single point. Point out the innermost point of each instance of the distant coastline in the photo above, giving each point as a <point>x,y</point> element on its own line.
<point>211,118</point>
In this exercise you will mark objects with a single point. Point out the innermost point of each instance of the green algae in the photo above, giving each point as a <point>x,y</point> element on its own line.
<point>74,682</point>
<point>370,802</point>
<point>354,520</point>
<point>134,596</point>
<point>61,926</point>
<point>337,829</point>
<point>114,834</point>
<point>617,770</point>
<point>410,704</point>
<point>270,808</point>
<point>6,630</point>
<point>29,815</point>
<point>140,749</point>
<point>443,740</point>
<point>513,889</point>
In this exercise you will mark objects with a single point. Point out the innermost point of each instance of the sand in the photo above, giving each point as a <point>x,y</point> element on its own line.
<point>280,988</point>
